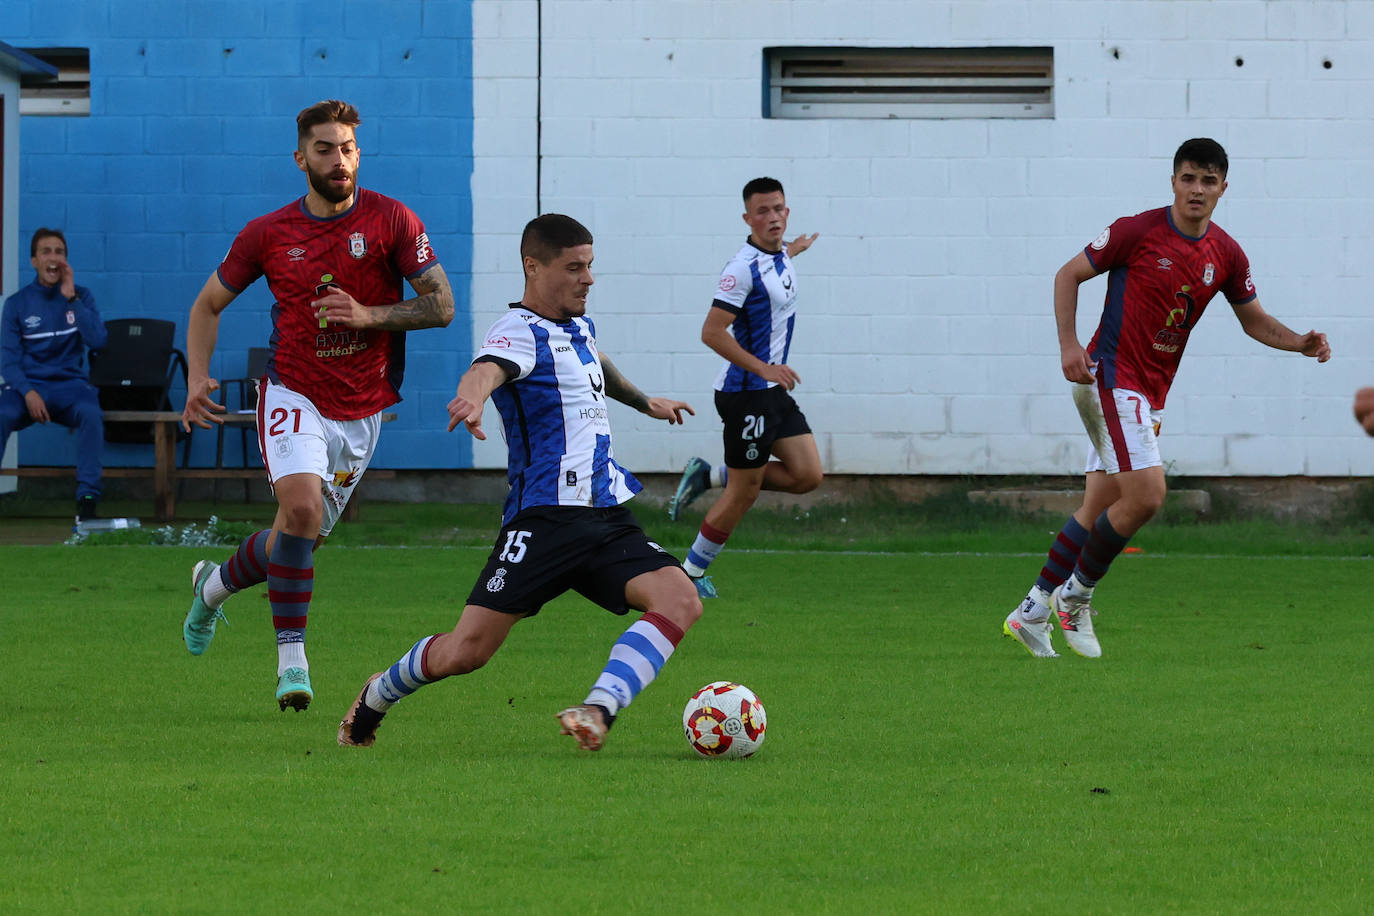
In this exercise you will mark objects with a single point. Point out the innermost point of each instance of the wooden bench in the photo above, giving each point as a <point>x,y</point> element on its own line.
<point>165,472</point>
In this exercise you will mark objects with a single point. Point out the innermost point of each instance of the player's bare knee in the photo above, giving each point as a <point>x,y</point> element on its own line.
<point>808,481</point>
<point>302,520</point>
<point>680,603</point>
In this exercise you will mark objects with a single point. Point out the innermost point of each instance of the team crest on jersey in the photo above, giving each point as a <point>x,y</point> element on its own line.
<point>1101,241</point>
<point>727,283</point>
<point>498,580</point>
<point>71,317</point>
<point>357,245</point>
<point>1208,274</point>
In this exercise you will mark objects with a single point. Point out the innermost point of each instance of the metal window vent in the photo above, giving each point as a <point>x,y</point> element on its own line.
<point>67,94</point>
<point>909,82</point>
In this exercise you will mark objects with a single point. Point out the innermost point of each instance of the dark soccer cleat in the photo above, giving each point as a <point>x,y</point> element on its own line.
<point>359,727</point>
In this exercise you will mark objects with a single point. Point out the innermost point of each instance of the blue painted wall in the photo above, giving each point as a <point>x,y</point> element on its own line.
<point>192,126</point>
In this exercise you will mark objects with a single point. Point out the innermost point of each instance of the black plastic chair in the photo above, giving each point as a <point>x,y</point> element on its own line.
<point>134,371</point>
<point>246,401</point>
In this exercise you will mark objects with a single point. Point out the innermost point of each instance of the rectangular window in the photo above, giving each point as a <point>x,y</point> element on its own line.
<point>909,82</point>
<point>67,94</point>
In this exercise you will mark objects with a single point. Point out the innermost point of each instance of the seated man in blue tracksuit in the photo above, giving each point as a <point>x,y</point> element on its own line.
<point>45,331</point>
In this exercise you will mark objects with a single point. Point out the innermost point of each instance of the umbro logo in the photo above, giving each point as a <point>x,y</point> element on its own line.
<point>296,254</point>
<point>1165,264</point>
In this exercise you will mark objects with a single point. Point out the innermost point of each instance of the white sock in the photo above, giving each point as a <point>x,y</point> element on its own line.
<point>718,474</point>
<point>214,593</point>
<point>291,655</point>
<point>1037,610</point>
<point>1039,595</point>
<point>1076,588</point>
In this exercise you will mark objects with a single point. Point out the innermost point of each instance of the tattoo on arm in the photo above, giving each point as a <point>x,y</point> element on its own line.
<point>432,308</point>
<point>620,388</point>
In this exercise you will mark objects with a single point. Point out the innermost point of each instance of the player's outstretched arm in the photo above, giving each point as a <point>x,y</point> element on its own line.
<point>1073,359</point>
<point>432,306</point>
<point>476,385</point>
<point>800,244</point>
<point>620,388</point>
<point>202,330</point>
<point>1271,332</point>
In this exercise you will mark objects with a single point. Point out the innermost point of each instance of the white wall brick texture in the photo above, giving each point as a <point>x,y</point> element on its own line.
<point>925,335</point>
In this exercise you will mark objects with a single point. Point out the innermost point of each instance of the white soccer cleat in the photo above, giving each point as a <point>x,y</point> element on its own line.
<point>587,724</point>
<point>1076,620</point>
<point>1033,635</point>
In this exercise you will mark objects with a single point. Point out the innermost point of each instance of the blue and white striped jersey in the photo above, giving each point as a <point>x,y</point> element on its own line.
<point>558,437</point>
<point>760,288</point>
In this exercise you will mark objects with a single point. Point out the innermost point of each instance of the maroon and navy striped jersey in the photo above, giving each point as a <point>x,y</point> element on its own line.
<point>1158,285</point>
<point>366,251</point>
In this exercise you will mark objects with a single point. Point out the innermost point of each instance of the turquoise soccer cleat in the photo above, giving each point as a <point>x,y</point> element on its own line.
<point>199,627</point>
<point>696,480</point>
<point>705,587</point>
<point>293,689</point>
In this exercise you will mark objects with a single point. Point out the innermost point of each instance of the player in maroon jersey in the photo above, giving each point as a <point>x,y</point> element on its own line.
<point>334,260</point>
<point>1165,266</point>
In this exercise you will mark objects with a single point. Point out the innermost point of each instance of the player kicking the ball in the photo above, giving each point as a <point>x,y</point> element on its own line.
<point>565,525</point>
<point>1165,266</point>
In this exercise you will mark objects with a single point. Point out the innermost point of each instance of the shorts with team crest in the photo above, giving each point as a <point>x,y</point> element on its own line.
<point>546,550</point>
<point>296,438</point>
<point>754,420</point>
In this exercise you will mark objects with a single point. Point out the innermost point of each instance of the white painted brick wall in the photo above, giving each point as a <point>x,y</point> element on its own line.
<point>925,337</point>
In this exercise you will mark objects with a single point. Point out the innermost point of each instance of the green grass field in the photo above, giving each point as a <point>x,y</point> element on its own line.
<point>1217,758</point>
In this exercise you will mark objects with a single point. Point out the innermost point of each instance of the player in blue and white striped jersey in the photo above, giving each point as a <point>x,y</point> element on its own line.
<point>565,525</point>
<point>768,443</point>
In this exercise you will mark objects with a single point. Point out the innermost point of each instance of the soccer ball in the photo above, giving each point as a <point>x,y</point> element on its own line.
<point>724,719</point>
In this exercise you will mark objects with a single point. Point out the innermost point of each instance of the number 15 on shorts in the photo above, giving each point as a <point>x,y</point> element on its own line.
<point>514,551</point>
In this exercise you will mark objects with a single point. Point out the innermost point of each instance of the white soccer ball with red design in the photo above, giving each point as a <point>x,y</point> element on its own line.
<point>724,719</point>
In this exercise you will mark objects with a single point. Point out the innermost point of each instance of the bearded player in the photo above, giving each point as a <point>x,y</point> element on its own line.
<point>334,260</point>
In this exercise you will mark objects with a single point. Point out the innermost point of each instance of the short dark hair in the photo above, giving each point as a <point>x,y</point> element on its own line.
<point>762,186</point>
<point>326,112</point>
<point>44,232</point>
<point>1203,152</point>
<point>546,236</point>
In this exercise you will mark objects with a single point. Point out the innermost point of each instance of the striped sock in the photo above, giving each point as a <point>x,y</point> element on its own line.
<point>1102,547</point>
<point>636,658</point>
<point>246,568</point>
<point>704,549</point>
<point>401,679</point>
<point>290,582</point>
<point>1068,544</point>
